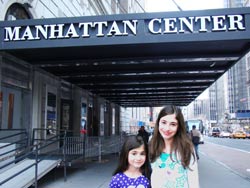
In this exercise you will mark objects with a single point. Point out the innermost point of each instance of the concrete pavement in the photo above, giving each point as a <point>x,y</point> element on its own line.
<point>91,174</point>
<point>214,174</point>
<point>234,159</point>
<point>94,174</point>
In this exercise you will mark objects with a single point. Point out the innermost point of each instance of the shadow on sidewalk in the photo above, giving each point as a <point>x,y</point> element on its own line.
<point>90,173</point>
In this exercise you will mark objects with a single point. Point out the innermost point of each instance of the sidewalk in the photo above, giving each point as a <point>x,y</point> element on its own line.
<point>92,174</point>
<point>98,174</point>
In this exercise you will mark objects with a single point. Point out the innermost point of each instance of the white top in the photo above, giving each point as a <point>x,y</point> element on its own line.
<point>171,174</point>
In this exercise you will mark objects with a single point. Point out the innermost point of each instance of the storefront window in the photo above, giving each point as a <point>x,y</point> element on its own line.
<point>65,116</point>
<point>102,120</point>
<point>83,129</point>
<point>51,113</point>
<point>113,121</point>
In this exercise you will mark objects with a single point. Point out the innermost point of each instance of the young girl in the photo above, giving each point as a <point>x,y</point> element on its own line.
<point>171,152</point>
<point>133,170</point>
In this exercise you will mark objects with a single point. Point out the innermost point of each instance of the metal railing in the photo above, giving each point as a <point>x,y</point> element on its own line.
<point>31,152</point>
<point>74,146</point>
<point>100,146</point>
<point>57,145</point>
<point>17,139</point>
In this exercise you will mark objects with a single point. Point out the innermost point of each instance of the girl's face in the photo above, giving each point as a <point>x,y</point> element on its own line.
<point>136,157</point>
<point>168,126</point>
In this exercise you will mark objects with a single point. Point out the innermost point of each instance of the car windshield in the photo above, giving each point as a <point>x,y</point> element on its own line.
<point>216,130</point>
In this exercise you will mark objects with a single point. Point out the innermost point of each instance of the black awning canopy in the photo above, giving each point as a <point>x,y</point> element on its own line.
<point>146,64</point>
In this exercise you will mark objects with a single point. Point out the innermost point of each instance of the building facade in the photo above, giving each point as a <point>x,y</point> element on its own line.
<point>234,83</point>
<point>230,93</point>
<point>32,98</point>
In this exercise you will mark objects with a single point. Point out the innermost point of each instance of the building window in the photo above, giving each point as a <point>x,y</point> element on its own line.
<point>51,114</point>
<point>17,12</point>
<point>102,120</point>
<point>113,121</point>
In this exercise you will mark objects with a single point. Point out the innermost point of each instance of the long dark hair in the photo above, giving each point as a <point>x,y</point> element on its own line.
<point>130,143</point>
<point>181,146</point>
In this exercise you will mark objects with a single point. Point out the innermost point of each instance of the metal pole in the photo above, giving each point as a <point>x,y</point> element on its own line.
<point>36,164</point>
<point>64,157</point>
<point>100,149</point>
<point>176,4</point>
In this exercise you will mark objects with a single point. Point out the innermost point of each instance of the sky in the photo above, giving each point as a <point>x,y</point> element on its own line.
<point>168,5</point>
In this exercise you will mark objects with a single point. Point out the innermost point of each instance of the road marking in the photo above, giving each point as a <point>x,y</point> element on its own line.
<point>227,167</point>
<point>229,147</point>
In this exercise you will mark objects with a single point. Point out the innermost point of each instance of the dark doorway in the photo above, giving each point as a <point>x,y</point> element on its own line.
<point>67,115</point>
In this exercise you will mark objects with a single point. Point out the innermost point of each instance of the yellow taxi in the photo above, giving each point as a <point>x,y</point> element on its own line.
<point>238,134</point>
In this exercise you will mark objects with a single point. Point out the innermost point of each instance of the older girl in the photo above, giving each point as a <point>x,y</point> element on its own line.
<point>172,154</point>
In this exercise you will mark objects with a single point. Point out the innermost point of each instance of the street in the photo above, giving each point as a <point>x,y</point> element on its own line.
<point>241,144</point>
<point>233,154</point>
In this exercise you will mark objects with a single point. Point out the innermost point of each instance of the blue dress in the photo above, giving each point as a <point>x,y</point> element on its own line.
<point>120,180</point>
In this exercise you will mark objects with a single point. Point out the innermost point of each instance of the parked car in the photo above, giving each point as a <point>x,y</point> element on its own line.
<point>214,131</point>
<point>224,134</point>
<point>247,134</point>
<point>238,134</point>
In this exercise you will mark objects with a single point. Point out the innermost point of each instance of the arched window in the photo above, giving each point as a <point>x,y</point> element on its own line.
<point>17,12</point>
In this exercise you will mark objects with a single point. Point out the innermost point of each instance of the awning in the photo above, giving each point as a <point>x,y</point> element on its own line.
<point>149,59</point>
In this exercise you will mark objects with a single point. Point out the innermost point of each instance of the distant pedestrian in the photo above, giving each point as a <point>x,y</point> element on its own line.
<point>133,170</point>
<point>195,137</point>
<point>143,133</point>
<point>172,154</point>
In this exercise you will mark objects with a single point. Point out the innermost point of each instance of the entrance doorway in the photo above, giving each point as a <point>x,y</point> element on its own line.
<point>66,115</point>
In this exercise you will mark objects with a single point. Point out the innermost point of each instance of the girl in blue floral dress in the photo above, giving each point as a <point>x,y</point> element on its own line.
<point>172,155</point>
<point>133,170</point>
